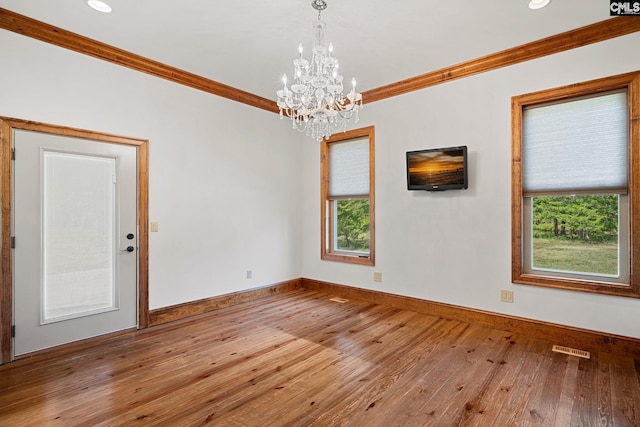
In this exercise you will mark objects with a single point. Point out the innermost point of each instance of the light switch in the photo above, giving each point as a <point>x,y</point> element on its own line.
<point>154,227</point>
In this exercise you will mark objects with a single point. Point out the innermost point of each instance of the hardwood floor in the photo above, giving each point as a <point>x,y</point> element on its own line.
<point>298,359</point>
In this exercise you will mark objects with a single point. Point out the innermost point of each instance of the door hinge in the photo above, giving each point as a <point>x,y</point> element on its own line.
<point>13,242</point>
<point>13,331</point>
<point>13,154</point>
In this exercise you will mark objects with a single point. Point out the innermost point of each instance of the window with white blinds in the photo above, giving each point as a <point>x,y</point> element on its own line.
<point>348,197</point>
<point>575,178</point>
<point>576,147</point>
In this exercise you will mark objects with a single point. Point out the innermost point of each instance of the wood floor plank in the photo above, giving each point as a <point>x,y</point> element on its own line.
<point>446,393</point>
<point>226,388</point>
<point>353,361</point>
<point>474,387</point>
<point>516,389</point>
<point>603,387</point>
<point>516,366</point>
<point>170,352</point>
<point>586,394</point>
<point>288,382</point>
<point>334,408</point>
<point>543,400</point>
<point>625,391</point>
<point>299,359</point>
<point>363,391</point>
<point>567,393</point>
<point>353,405</point>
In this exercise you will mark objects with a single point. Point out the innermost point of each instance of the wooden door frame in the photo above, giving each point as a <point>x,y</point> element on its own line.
<point>7,127</point>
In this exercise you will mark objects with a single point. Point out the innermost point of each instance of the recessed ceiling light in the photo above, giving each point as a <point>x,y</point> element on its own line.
<point>538,4</point>
<point>98,5</point>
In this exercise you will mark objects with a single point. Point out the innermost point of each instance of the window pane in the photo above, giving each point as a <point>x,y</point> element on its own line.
<point>352,225</point>
<point>78,227</point>
<point>576,234</point>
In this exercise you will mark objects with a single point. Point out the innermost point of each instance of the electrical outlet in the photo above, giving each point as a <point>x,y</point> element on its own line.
<point>506,296</point>
<point>377,277</point>
<point>249,274</point>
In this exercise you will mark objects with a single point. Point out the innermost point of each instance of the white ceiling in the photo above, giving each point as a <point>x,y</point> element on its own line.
<point>249,44</point>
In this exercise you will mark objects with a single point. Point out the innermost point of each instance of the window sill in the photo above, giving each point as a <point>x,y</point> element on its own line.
<point>348,258</point>
<point>597,287</point>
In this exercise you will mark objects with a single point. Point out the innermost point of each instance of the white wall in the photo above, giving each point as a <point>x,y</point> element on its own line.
<point>455,246</point>
<point>233,188</point>
<point>224,177</point>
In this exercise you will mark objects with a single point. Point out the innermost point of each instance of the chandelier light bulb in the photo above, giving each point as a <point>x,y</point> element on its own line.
<point>330,48</point>
<point>300,49</point>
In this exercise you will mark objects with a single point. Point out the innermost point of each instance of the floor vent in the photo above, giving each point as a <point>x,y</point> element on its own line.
<point>338,299</point>
<point>571,351</point>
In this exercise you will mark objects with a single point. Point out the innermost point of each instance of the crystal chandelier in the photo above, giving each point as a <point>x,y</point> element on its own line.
<point>314,101</point>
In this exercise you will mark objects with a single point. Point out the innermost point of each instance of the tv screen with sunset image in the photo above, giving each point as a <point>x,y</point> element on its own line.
<point>437,169</point>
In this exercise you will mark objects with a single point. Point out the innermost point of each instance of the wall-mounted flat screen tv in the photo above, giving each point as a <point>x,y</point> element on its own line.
<point>437,169</point>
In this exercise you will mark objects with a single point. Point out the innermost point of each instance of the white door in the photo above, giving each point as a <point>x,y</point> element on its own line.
<point>75,261</point>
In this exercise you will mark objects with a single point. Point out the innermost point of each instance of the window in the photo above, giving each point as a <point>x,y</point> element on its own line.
<point>79,229</point>
<point>575,180</point>
<point>347,191</point>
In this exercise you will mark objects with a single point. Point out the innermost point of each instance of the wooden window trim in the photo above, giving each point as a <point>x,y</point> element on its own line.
<point>630,82</point>
<point>325,253</point>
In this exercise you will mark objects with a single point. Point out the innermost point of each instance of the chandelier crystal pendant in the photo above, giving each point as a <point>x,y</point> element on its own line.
<point>314,100</point>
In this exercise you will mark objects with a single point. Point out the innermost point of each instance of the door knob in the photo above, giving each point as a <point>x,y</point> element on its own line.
<point>129,249</point>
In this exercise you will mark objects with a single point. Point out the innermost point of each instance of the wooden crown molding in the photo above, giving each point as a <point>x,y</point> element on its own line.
<point>594,33</point>
<point>29,27</point>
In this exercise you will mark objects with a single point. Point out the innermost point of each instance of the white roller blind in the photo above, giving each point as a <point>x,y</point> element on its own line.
<point>576,147</point>
<point>79,228</point>
<point>349,168</point>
